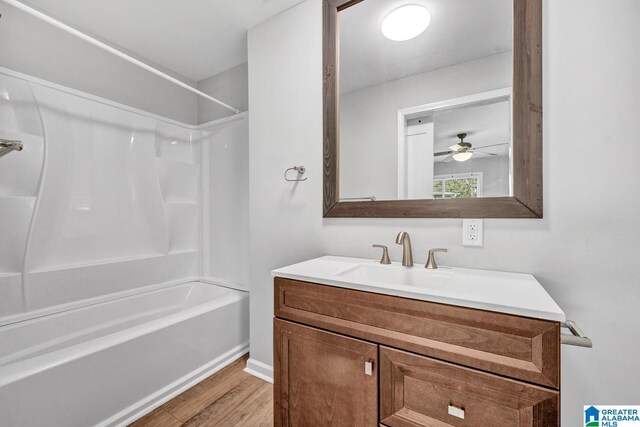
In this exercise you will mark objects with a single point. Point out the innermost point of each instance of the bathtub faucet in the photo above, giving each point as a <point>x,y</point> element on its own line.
<point>9,145</point>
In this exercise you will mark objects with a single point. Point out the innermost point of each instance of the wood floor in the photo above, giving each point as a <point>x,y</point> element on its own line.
<point>230,397</point>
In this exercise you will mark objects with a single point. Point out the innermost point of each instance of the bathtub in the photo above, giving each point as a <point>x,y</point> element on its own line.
<point>110,362</point>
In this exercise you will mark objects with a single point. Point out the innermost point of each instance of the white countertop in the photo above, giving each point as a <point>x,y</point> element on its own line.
<point>512,293</point>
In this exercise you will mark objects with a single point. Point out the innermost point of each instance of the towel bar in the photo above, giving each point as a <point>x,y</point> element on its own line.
<point>355,199</point>
<point>576,337</point>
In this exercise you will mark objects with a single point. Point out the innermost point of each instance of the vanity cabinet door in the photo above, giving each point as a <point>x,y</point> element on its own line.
<point>420,391</point>
<point>323,379</point>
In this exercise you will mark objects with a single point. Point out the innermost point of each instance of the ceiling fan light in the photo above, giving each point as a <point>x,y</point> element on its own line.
<point>406,22</point>
<point>462,157</point>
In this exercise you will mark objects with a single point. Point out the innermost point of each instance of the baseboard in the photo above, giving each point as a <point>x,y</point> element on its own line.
<point>260,370</point>
<point>143,407</point>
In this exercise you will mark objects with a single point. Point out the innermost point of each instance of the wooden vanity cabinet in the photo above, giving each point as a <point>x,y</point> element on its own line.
<point>351,358</point>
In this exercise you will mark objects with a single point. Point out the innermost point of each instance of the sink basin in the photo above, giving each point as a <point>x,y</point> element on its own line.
<point>417,276</point>
<point>514,293</point>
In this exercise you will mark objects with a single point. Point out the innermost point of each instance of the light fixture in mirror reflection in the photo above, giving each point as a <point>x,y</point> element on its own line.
<point>429,117</point>
<point>406,23</point>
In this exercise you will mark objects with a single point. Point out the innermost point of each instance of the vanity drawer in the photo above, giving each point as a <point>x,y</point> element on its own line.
<point>513,346</point>
<point>419,391</point>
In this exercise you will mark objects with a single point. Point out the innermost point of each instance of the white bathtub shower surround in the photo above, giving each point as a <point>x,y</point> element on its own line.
<point>108,363</point>
<point>103,198</point>
<point>103,202</point>
<point>225,197</point>
<point>101,230</point>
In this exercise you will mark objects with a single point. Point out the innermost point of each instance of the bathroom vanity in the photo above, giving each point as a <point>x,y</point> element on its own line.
<point>357,343</point>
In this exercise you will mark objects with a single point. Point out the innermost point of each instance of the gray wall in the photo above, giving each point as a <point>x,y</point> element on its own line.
<point>584,251</point>
<point>32,47</point>
<point>231,87</point>
<point>285,224</point>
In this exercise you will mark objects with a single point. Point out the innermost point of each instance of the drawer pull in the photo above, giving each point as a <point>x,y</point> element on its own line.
<point>368,368</point>
<point>456,412</point>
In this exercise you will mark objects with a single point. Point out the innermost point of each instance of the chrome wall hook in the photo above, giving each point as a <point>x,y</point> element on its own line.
<point>300,170</point>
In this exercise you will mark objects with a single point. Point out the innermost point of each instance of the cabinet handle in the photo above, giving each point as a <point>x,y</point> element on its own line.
<point>368,368</point>
<point>456,412</point>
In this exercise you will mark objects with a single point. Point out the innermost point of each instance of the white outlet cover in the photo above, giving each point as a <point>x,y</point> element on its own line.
<point>473,232</point>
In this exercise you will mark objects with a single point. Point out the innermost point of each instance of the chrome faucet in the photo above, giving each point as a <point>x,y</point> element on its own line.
<point>9,145</point>
<point>407,254</point>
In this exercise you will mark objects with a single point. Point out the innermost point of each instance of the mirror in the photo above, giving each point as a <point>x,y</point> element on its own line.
<point>432,108</point>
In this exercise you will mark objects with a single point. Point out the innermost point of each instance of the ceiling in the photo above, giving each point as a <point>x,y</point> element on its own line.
<point>460,31</point>
<point>194,38</point>
<point>485,124</point>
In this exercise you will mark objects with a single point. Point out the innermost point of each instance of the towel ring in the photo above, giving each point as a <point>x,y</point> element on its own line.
<point>300,170</point>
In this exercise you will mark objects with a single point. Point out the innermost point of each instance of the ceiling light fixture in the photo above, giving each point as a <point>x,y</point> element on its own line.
<point>462,157</point>
<point>406,22</point>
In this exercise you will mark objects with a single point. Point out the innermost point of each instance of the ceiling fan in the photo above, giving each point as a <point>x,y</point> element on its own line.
<point>463,151</point>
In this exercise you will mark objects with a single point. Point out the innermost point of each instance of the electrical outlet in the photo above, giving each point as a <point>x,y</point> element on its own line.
<point>473,232</point>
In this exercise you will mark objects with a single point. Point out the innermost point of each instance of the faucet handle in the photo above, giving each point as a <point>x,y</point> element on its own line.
<point>385,254</point>
<point>431,259</point>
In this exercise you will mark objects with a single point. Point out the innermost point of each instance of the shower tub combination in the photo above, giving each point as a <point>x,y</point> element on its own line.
<point>109,362</point>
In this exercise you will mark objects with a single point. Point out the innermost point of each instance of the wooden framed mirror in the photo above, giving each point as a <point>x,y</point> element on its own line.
<point>447,124</point>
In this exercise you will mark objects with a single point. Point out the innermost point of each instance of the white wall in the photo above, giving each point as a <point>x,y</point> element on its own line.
<point>584,251</point>
<point>32,47</point>
<point>230,86</point>
<point>369,119</point>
